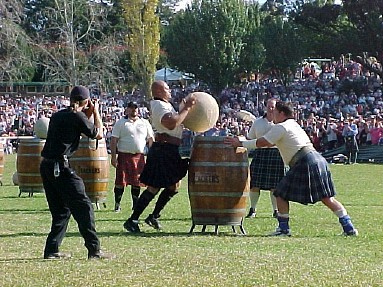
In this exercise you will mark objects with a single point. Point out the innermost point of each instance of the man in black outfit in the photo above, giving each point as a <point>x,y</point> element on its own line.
<point>64,189</point>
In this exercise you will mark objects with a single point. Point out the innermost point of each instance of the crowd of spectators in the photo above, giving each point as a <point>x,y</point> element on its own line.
<point>339,93</point>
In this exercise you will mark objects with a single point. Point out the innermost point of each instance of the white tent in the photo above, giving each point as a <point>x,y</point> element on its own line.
<point>169,74</point>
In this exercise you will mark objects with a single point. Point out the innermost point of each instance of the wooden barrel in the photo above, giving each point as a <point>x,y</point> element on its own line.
<point>218,182</point>
<point>2,160</point>
<point>28,165</point>
<point>91,163</point>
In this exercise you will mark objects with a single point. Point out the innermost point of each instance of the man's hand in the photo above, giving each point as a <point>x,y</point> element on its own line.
<point>113,162</point>
<point>233,141</point>
<point>89,109</point>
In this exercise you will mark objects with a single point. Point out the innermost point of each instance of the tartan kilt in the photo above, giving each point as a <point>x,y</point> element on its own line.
<point>129,168</point>
<point>308,181</point>
<point>164,166</point>
<point>266,168</point>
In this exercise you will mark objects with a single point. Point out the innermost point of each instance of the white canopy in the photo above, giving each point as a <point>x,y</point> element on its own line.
<point>169,74</point>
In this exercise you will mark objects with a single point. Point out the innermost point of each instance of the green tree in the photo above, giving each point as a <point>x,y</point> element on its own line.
<point>367,18</point>
<point>71,41</point>
<point>207,40</point>
<point>253,53</point>
<point>166,10</point>
<point>284,47</point>
<point>143,40</point>
<point>15,54</point>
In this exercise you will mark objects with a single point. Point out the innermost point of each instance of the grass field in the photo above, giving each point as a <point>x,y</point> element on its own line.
<point>316,255</point>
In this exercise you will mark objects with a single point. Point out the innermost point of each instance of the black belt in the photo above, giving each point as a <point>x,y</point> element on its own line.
<point>300,154</point>
<point>165,138</point>
<point>53,160</point>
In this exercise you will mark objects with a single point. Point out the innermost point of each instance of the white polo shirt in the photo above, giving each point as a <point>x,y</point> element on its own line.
<point>132,135</point>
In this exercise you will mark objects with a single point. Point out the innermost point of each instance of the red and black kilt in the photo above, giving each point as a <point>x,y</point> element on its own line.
<point>129,168</point>
<point>266,168</point>
<point>308,181</point>
<point>164,166</point>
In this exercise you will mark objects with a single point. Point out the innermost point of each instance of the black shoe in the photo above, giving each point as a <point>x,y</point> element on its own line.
<point>117,207</point>
<point>251,213</point>
<point>57,255</point>
<point>153,222</point>
<point>132,226</point>
<point>101,255</point>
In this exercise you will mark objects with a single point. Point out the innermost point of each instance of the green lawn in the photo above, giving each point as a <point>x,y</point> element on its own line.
<point>316,255</point>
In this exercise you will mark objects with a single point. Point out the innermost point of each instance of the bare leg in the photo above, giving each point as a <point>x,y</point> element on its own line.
<point>333,204</point>
<point>283,205</point>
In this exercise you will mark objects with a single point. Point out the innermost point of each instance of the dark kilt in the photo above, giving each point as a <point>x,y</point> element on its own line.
<point>308,181</point>
<point>266,168</point>
<point>164,166</point>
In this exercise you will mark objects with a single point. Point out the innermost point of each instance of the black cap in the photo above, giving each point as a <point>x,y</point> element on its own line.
<point>131,105</point>
<point>79,93</point>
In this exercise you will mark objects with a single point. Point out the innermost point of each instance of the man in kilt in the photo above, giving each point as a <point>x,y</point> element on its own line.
<point>164,166</point>
<point>128,142</point>
<point>309,179</point>
<point>267,167</point>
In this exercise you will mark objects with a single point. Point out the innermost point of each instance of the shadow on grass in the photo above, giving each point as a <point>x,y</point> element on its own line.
<point>24,211</point>
<point>194,234</point>
<point>158,234</point>
<point>20,197</point>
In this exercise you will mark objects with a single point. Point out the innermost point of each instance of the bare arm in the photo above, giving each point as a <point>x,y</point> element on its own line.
<point>150,142</point>
<point>171,121</point>
<point>113,151</point>
<point>249,144</point>
<point>97,120</point>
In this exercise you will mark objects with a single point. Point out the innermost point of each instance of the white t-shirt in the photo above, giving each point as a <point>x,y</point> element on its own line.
<point>289,137</point>
<point>159,109</point>
<point>132,135</point>
<point>259,128</point>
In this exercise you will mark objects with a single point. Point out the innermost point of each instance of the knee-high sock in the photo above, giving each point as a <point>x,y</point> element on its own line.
<point>162,200</point>
<point>135,190</point>
<point>118,192</point>
<point>283,221</point>
<point>142,202</point>
<point>254,197</point>
<point>344,220</point>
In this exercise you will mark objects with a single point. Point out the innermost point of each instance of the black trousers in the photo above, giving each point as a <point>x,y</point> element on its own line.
<point>66,196</point>
<point>351,148</point>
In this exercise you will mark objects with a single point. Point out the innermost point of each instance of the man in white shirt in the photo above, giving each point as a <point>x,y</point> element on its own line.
<point>309,179</point>
<point>130,135</point>
<point>266,167</point>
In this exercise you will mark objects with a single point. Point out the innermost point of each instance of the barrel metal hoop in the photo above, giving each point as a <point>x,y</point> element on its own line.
<point>96,180</point>
<point>218,164</point>
<point>29,174</point>
<point>220,194</point>
<point>102,158</point>
<point>213,146</point>
<point>218,211</point>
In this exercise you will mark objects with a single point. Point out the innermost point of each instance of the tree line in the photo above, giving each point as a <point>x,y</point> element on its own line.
<point>115,44</point>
